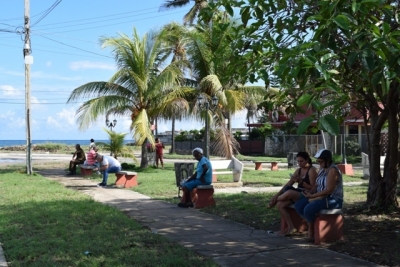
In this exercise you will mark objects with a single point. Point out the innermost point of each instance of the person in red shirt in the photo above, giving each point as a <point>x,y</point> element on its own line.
<point>159,152</point>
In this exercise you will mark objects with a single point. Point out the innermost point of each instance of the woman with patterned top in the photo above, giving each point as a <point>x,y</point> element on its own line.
<point>328,194</point>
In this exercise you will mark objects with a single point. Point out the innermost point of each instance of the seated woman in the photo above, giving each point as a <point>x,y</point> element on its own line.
<point>305,176</point>
<point>328,195</point>
<point>91,156</point>
<point>202,176</point>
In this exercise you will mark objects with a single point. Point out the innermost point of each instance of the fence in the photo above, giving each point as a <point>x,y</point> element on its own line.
<point>280,146</point>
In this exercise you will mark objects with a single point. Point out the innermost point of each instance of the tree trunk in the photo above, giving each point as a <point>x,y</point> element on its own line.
<point>173,137</point>
<point>391,169</point>
<point>144,162</point>
<point>381,193</point>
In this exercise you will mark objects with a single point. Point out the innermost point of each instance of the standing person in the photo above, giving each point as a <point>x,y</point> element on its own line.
<point>107,165</point>
<point>202,176</point>
<point>328,195</point>
<point>305,177</point>
<point>92,143</point>
<point>79,157</point>
<point>159,152</point>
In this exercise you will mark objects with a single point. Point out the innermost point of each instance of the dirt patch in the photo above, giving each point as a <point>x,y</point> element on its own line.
<point>372,237</point>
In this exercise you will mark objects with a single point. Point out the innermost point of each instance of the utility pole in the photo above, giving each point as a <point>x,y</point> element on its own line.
<point>28,60</point>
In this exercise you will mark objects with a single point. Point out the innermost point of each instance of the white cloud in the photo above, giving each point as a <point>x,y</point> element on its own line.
<point>65,119</point>
<point>7,115</point>
<point>78,65</point>
<point>16,122</point>
<point>9,90</point>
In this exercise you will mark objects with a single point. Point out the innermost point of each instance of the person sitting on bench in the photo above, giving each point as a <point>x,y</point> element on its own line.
<point>107,165</point>
<point>202,176</point>
<point>305,177</point>
<point>329,193</point>
<point>79,157</point>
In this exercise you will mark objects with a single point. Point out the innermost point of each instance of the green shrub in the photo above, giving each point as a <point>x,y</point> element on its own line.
<point>128,166</point>
<point>50,147</point>
<point>352,148</point>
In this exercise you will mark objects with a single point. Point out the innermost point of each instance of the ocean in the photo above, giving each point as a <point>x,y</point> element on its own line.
<point>4,143</point>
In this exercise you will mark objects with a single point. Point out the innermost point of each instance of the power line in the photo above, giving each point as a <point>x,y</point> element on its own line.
<point>61,103</point>
<point>47,12</point>
<point>75,47</point>
<point>101,17</point>
<point>102,26</point>
<point>57,52</point>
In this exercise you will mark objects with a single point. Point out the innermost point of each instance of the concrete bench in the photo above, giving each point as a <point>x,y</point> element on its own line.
<point>328,226</point>
<point>258,165</point>
<point>86,169</point>
<point>126,179</point>
<point>232,166</point>
<point>365,164</point>
<point>202,196</point>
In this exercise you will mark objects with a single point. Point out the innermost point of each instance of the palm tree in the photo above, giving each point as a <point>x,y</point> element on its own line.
<point>193,12</point>
<point>136,90</point>
<point>175,40</point>
<point>116,145</point>
<point>213,60</point>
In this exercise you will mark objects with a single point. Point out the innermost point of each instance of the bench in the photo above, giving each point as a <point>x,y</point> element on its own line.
<point>202,196</point>
<point>365,164</point>
<point>183,171</point>
<point>232,166</point>
<point>274,165</point>
<point>328,226</point>
<point>86,169</point>
<point>126,179</point>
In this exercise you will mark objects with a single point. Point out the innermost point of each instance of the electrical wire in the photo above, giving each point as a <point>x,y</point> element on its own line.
<point>113,24</point>
<point>90,52</point>
<point>47,12</point>
<point>101,18</point>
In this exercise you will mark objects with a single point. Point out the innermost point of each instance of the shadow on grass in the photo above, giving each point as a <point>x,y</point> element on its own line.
<point>81,232</point>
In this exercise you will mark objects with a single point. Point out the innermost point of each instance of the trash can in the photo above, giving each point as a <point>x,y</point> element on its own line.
<point>291,159</point>
<point>183,171</point>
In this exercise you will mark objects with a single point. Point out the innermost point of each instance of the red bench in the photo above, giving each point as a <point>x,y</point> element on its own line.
<point>126,179</point>
<point>202,196</point>
<point>328,226</point>
<point>258,165</point>
<point>86,169</point>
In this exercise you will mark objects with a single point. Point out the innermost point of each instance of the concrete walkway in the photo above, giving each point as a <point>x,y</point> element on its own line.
<point>228,243</point>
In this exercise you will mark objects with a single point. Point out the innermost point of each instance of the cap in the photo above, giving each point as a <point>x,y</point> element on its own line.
<point>198,149</point>
<point>323,154</point>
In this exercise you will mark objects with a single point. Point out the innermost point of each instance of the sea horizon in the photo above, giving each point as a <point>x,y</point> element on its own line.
<point>5,143</point>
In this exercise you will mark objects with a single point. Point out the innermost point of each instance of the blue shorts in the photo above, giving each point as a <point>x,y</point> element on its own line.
<point>193,184</point>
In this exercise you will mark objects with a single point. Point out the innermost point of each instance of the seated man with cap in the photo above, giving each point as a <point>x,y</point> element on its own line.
<point>202,176</point>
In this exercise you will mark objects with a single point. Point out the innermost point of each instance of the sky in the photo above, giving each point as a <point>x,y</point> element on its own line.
<point>67,54</point>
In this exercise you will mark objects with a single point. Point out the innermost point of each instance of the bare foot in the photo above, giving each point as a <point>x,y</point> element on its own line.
<point>290,231</point>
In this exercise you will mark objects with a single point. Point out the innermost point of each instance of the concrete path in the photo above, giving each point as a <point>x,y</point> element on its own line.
<point>228,243</point>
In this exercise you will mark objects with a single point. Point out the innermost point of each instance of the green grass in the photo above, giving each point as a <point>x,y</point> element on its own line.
<point>44,224</point>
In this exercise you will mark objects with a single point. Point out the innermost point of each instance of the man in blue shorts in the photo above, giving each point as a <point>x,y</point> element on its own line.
<point>202,176</point>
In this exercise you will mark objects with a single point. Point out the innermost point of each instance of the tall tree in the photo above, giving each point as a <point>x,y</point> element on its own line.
<point>136,90</point>
<point>209,54</point>
<point>193,12</point>
<point>175,41</point>
<point>327,53</point>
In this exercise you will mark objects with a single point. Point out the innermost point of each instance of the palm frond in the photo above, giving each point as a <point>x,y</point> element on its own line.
<point>141,128</point>
<point>224,143</point>
<point>173,4</point>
